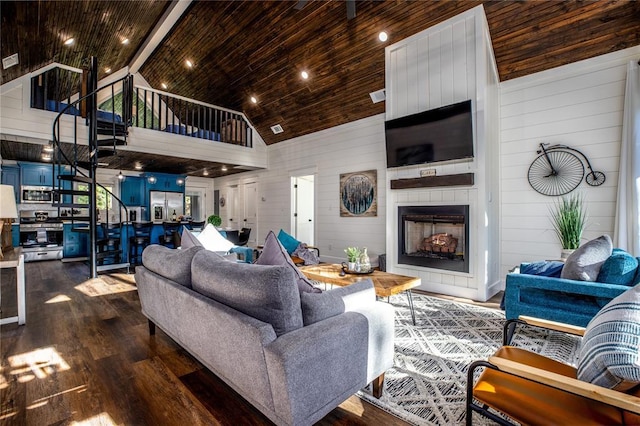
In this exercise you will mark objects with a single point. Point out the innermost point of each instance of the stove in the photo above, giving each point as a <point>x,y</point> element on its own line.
<point>41,236</point>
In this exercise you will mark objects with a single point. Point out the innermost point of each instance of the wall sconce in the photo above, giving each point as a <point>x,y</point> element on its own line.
<point>152,179</point>
<point>180,181</point>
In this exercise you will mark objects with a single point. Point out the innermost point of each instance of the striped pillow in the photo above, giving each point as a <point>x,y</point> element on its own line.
<point>610,353</point>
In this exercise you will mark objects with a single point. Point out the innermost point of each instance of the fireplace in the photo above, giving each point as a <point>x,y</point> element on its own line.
<point>434,237</point>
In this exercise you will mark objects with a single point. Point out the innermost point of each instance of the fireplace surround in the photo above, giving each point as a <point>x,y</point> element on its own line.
<point>434,237</point>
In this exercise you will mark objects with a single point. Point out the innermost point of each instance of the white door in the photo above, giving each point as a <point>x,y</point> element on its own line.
<point>251,210</point>
<point>233,209</point>
<point>303,214</point>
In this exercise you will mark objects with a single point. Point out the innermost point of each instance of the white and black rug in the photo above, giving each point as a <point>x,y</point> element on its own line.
<point>427,384</point>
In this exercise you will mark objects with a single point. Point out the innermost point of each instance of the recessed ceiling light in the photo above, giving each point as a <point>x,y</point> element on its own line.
<point>138,166</point>
<point>125,41</point>
<point>205,173</point>
<point>46,157</point>
<point>224,168</point>
<point>69,41</point>
<point>383,36</point>
<point>164,85</point>
<point>48,148</point>
<point>107,70</point>
<point>254,100</point>
<point>189,63</point>
<point>304,75</point>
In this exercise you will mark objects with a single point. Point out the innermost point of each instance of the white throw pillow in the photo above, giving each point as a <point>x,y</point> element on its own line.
<point>212,240</point>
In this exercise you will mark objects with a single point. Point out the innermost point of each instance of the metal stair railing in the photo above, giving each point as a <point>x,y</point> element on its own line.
<point>61,160</point>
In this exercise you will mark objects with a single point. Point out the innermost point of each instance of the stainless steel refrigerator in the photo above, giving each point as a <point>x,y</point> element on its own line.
<point>164,204</point>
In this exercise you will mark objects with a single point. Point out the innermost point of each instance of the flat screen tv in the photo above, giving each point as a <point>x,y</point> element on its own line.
<point>440,134</point>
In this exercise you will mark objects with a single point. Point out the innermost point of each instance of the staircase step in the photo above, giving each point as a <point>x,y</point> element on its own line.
<point>111,142</point>
<point>106,152</point>
<point>70,205</point>
<point>110,131</point>
<point>72,192</point>
<point>75,178</point>
<point>101,268</point>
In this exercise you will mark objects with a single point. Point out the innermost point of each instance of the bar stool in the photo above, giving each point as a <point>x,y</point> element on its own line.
<point>170,236</point>
<point>110,243</point>
<point>140,239</point>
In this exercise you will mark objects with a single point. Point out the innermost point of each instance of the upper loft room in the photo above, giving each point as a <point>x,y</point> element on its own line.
<point>249,57</point>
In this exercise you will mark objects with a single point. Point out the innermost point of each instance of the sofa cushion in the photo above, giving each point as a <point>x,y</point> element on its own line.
<point>188,239</point>
<point>212,240</point>
<point>545,268</point>
<point>610,352</point>
<point>274,253</point>
<point>320,306</point>
<point>170,263</point>
<point>266,292</point>
<point>584,264</point>
<point>288,241</point>
<point>619,268</point>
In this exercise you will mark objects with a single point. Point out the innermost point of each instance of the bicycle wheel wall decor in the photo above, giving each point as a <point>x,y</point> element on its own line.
<point>555,173</point>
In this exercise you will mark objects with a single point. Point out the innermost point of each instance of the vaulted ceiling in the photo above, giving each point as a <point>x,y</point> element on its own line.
<point>258,48</point>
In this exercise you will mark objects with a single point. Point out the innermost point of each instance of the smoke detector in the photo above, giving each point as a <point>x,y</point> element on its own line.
<point>378,96</point>
<point>277,129</point>
<point>10,61</point>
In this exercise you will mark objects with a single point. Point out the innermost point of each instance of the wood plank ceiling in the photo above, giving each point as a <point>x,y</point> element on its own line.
<point>258,48</point>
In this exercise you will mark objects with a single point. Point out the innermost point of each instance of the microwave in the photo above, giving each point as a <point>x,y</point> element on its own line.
<point>37,194</point>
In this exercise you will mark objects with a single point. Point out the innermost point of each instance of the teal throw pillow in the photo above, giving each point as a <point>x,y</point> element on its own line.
<point>289,243</point>
<point>610,352</point>
<point>619,268</point>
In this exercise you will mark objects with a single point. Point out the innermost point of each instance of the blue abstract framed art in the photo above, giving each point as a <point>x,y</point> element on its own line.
<point>359,194</point>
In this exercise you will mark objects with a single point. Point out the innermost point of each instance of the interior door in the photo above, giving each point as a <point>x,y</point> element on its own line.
<point>251,210</point>
<point>232,208</point>
<point>304,209</point>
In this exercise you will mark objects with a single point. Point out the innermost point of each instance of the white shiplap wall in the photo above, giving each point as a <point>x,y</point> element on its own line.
<point>579,105</point>
<point>352,147</point>
<point>448,63</point>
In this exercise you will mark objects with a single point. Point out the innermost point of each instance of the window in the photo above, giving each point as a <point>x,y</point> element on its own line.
<point>192,205</point>
<point>104,200</point>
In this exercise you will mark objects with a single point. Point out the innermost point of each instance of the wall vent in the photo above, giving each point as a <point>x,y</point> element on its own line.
<point>277,129</point>
<point>378,96</point>
<point>10,61</point>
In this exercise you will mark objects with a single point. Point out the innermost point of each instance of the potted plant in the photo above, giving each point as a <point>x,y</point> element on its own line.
<point>353,256</point>
<point>215,220</point>
<point>568,216</point>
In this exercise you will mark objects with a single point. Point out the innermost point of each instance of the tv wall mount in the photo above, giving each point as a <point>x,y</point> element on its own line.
<point>559,169</point>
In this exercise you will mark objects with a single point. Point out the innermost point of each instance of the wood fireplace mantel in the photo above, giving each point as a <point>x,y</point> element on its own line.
<point>463,179</point>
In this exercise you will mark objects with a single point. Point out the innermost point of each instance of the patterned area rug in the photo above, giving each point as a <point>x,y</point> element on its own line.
<point>427,384</point>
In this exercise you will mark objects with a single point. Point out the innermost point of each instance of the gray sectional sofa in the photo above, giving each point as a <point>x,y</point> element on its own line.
<point>295,356</point>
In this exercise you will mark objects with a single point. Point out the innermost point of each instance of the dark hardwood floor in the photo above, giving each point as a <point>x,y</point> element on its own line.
<point>85,355</point>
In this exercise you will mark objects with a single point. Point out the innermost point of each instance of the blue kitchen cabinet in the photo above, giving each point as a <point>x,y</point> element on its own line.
<point>76,244</point>
<point>11,176</point>
<point>132,191</point>
<point>36,174</point>
<point>165,182</point>
<point>15,235</point>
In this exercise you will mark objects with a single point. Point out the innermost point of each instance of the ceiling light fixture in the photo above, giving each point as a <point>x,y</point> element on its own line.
<point>383,36</point>
<point>46,157</point>
<point>48,147</point>
<point>107,70</point>
<point>205,173</point>
<point>125,41</point>
<point>69,41</point>
<point>304,74</point>
<point>138,166</point>
<point>224,168</point>
<point>189,63</point>
<point>254,100</point>
<point>164,85</point>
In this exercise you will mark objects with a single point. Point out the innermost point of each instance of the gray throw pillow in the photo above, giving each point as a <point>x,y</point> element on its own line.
<point>610,352</point>
<point>320,306</point>
<point>189,240</point>
<point>584,264</point>
<point>268,293</point>
<point>170,263</point>
<point>274,253</point>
